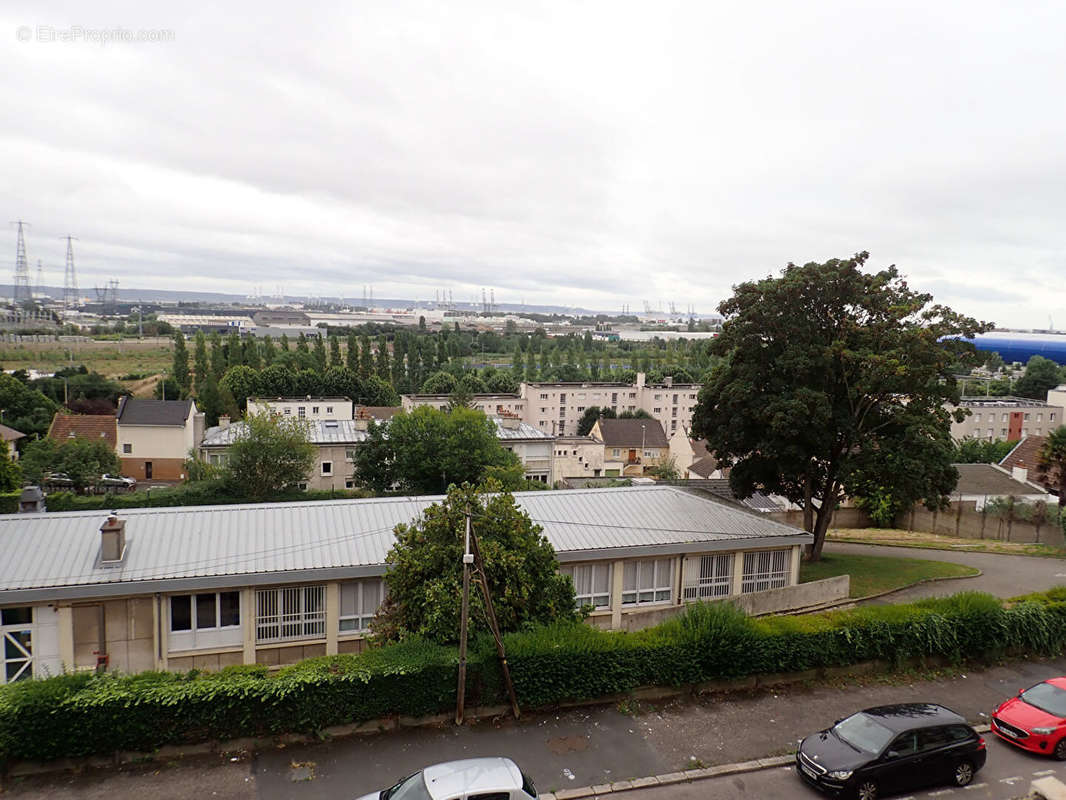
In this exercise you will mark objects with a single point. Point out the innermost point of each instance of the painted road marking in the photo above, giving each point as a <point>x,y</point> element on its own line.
<point>975,786</point>
<point>942,792</point>
<point>1012,779</point>
<point>1045,772</point>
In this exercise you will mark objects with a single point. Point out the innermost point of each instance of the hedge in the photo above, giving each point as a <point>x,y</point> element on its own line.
<point>189,494</point>
<point>85,714</point>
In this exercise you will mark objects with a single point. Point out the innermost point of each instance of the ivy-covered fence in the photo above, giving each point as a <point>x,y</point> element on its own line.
<point>85,714</point>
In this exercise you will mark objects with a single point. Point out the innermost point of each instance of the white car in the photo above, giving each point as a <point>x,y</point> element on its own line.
<point>469,779</point>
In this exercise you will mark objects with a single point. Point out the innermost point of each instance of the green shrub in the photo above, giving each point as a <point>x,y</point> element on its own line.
<point>85,714</point>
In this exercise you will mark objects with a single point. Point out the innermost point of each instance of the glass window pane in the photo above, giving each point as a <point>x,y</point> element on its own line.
<point>348,599</point>
<point>22,615</point>
<point>629,576</point>
<point>229,608</point>
<point>205,611</point>
<point>603,578</point>
<point>181,612</point>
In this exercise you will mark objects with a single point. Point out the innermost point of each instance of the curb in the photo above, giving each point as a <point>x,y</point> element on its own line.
<point>956,549</point>
<point>887,592</point>
<point>688,776</point>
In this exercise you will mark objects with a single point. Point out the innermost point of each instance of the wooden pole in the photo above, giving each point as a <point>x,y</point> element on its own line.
<point>460,697</point>
<point>491,614</point>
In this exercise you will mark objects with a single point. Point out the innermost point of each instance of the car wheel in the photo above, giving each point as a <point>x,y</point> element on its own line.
<point>866,790</point>
<point>1060,749</point>
<point>963,773</point>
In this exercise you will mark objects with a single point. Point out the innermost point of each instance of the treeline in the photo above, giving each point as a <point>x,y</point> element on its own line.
<point>225,371</point>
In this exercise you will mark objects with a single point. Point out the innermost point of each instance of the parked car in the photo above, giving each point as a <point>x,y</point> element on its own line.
<point>117,482</point>
<point>891,749</point>
<point>498,778</point>
<point>1035,719</point>
<point>58,479</point>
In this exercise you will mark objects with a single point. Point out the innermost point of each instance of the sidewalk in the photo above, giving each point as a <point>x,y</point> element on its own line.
<point>567,750</point>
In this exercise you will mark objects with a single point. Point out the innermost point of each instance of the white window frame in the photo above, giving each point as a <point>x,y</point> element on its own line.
<point>649,581</point>
<point>327,472</point>
<point>349,455</point>
<point>765,569</point>
<point>19,665</point>
<point>714,578</point>
<point>304,619</point>
<point>592,583</point>
<point>127,448</point>
<point>356,599</point>
<point>197,638</point>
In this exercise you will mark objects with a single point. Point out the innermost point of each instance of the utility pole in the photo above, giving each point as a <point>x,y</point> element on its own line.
<point>491,615</point>
<point>468,559</point>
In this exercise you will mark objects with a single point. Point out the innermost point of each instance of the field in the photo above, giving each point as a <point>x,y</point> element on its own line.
<point>114,359</point>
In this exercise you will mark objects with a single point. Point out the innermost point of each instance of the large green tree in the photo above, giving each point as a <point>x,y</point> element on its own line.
<point>829,372</point>
<point>1040,375</point>
<point>241,382</point>
<point>271,453</point>
<point>425,450</point>
<point>425,570</point>
<point>181,364</point>
<point>83,460</point>
<point>1051,463</point>
<point>24,409</point>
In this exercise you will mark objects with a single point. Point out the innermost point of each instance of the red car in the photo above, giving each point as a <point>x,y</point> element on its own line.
<point>1035,720</point>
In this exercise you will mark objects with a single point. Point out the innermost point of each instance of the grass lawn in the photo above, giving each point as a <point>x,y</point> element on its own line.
<point>932,541</point>
<point>875,574</point>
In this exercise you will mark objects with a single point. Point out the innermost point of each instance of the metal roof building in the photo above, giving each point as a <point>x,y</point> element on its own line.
<point>56,556</point>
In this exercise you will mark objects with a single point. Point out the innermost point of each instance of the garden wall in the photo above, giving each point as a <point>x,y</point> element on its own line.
<point>963,520</point>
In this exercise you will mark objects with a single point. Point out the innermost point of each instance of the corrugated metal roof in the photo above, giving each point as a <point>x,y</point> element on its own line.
<point>306,540</point>
<point>322,431</point>
<point>523,431</point>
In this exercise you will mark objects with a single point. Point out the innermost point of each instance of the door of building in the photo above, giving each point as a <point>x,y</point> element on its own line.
<point>148,470</point>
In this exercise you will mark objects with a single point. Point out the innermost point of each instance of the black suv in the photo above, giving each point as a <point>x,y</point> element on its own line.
<point>891,749</point>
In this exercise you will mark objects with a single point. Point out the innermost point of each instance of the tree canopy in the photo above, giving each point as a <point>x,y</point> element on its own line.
<point>1040,375</point>
<point>270,454</point>
<point>425,450</point>
<point>425,570</point>
<point>835,382</point>
<point>83,460</point>
<point>1051,464</point>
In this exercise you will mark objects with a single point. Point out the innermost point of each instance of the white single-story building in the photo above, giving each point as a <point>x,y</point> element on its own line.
<point>209,586</point>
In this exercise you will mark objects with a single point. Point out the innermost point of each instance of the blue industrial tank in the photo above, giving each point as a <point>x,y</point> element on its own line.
<point>1023,346</point>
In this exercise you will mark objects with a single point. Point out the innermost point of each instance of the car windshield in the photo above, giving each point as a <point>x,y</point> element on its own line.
<point>413,787</point>
<point>863,732</point>
<point>1047,698</point>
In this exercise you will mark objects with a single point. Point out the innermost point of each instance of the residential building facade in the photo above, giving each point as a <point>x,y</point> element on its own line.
<point>207,587</point>
<point>631,446</point>
<point>1008,418</point>
<point>578,457</point>
<point>556,408</point>
<point>154,437</point>
<point>310,408</point>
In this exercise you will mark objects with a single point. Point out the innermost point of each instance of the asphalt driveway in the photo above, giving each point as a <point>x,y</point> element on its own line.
<point>1002,575</point>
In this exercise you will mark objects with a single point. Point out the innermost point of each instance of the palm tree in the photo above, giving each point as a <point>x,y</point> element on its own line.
<point>1051,463</point>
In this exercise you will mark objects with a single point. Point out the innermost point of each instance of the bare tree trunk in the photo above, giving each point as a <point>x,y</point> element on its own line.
<point>808,506</point>
<point>821,526</point>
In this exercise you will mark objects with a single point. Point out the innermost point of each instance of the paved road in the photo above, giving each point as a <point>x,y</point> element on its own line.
<point>1006,775</point>
<point>1003,575</point>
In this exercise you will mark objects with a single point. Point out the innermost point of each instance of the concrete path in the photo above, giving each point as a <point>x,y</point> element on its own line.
<point>1003,575</point>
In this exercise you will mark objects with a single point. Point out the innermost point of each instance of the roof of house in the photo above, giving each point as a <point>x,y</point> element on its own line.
<point>703,466</point>
<point>991,480</point>
<point>301,399</point>
<point>632,433</point>
<point>381,413</point>
<point>720,487</point>
<point>57,555</point>
<point>87,426</point>
<point>10,434</point>
<point>137,411</point>
<point>1026,454</point>
<point>523,430</point>
<point>320,432</point>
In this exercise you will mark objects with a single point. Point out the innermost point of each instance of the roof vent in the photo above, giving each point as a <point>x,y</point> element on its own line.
<point>113,540</point>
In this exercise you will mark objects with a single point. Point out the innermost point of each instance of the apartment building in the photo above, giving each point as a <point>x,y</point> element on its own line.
<point>578,457</point>
<point>310,408</point>
<point>556,408</point>
<point>1008,418</point>
<point>534,448</point>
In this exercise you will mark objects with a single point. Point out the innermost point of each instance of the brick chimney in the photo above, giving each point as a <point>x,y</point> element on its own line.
<point>362,419</point>
<point>113,540</point>
<point>223,421</point>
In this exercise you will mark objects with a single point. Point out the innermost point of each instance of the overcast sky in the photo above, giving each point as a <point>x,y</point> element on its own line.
<point>573,153</point>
